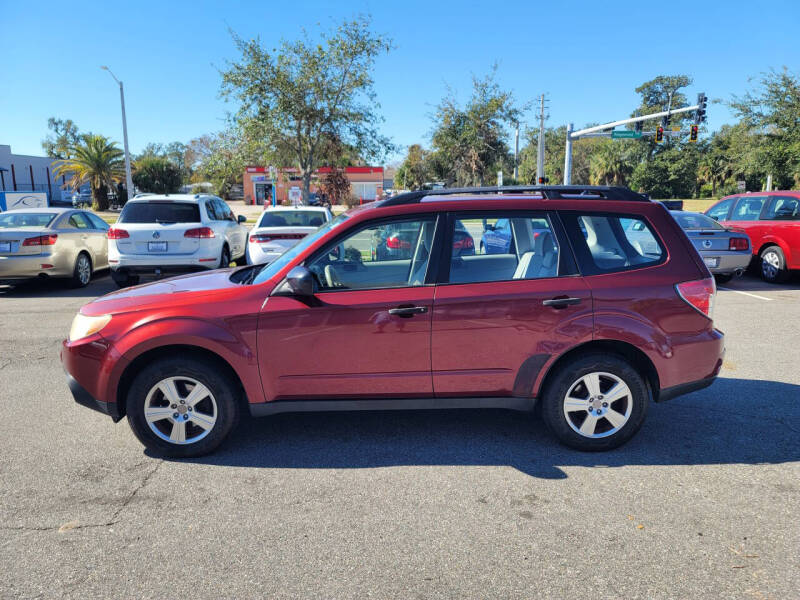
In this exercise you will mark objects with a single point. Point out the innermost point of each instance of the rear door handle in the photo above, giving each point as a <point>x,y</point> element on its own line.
<point>561,302</point>
<point>408,311</point>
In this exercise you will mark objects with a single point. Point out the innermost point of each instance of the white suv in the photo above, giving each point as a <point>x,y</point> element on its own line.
<point>173,233</point>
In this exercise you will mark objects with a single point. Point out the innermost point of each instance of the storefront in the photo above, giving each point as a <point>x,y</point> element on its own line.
<point>260,183</point>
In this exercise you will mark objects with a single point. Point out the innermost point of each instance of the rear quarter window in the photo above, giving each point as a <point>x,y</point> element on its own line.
<point>610,243</point>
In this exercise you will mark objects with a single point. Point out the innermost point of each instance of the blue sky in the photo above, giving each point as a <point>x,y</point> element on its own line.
<point>587,56</point>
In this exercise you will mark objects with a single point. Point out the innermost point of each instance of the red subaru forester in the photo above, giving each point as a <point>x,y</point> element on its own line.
<point>597,305</point>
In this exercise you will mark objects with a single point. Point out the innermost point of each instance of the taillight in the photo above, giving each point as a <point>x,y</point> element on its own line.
<point>41,240</point>
<point>199,232</point>
<point>259,238</point>
<point>738,243</point>
<point>463,243</point>
<point>395,243</point>
<point>117,234</point>
<point>698,294</point>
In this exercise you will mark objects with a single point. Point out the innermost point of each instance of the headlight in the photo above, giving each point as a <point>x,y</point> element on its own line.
<point>83,326</point>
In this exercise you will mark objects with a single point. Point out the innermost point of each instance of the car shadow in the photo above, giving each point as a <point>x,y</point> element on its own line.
<point>752,282</point>
<point>100,284</point>
<point>736,421</point>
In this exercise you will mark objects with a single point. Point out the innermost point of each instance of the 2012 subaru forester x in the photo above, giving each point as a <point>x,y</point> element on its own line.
<point>573,315</point>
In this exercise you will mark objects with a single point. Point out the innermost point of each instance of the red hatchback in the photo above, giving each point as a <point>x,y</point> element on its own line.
<point>772,221</point>
<point>575,316</point>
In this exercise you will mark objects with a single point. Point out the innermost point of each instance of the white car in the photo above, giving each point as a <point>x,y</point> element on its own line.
<point>279,228</point>
<point>174,233</point>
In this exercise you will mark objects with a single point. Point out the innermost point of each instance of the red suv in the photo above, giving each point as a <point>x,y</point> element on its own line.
<point>772,221</point>
<point>574,316</point>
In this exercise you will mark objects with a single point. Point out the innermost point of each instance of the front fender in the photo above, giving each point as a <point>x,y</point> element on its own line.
<point>188,331</point>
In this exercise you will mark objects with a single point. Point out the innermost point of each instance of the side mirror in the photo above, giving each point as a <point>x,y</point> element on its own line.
<point>241,219</point>
<point>299,282</point>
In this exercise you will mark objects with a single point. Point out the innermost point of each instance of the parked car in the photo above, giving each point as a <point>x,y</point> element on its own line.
<point>279,228</point>
<point>725,251</point>
<point>397,242</point>
<point>772,222</point>
<point>586,326</point>
<point>82,199</point>
<point>497,237</point>
<point>175,233</point>
<point>51,242</point>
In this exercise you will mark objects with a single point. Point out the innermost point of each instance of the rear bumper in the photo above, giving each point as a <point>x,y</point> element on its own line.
<point>684,388</point>
<point>727,262</point>
<point>159,269</point>
<point>20,268</point>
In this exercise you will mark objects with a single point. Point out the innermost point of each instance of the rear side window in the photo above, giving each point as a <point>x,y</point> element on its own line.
<point>609,243</point>
<point>160,212</point>
<point>78,221</point>
<point>748,208</point>
<point>97,222</point>
<point>783,208</point>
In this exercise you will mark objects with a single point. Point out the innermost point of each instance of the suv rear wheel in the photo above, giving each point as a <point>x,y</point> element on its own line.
<point>595,402</point>
<point>773,264</point>
<point>182,407</point>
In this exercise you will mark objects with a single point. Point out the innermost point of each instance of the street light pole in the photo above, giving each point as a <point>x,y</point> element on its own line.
<point>128,178</point>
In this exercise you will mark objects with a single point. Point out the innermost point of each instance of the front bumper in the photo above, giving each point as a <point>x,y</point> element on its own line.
<point>84,398</point>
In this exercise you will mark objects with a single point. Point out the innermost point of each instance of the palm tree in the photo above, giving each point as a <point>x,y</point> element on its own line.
<point>95,160</point>
<point>610,164</point>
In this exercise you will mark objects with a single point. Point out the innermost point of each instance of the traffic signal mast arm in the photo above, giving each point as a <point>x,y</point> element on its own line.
<point>597,128</point>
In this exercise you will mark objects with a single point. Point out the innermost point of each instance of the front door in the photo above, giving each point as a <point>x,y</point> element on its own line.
<point>502,313</point>
<point>367,331</point>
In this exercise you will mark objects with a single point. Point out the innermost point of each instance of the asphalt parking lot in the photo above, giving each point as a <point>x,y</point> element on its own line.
<point>702,503</point>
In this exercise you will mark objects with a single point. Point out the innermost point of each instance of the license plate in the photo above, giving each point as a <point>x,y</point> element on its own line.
<point>5,246</point>
<point>711,261</point>
<point>157,246</point>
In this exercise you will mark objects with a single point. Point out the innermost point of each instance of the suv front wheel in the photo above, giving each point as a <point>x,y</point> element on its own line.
<point>595,402</point>
<point>182,407</point>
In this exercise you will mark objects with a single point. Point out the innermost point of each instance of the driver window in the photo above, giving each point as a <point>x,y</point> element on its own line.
<point>386,255</point>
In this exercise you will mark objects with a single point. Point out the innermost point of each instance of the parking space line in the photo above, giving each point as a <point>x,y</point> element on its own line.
<point>746,294</point>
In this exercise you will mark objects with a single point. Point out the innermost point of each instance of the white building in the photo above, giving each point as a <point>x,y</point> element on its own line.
<point>23,173</point>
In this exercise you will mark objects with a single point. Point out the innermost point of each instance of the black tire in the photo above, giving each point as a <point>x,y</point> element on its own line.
<point>82,271</point>
<point>723,278</point>
<point>773,265</point>
<point>567,378</point>
<point>124,279</point>
<point>222,388</point>
<point>225,257</point>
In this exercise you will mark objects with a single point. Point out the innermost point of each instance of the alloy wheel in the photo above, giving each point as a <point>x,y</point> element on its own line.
<point>598,405</point>
<point>84,270</point>
<point>180,410</point>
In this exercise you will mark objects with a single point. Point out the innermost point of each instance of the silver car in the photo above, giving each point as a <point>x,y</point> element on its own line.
<point>52,242</point>
<point>726,252</point>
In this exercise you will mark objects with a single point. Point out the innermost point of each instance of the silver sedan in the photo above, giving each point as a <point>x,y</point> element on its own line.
<point>52,242</point>
<point>726,252</point>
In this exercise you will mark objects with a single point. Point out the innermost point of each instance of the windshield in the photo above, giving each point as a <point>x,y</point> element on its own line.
<point>290,254</point>
<point>291,218</point>
<point>689,220</point>
<point>160,212</point>
<point>22,219</point>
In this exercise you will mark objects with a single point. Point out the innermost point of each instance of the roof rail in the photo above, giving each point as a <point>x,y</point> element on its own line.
<point>549,192</point>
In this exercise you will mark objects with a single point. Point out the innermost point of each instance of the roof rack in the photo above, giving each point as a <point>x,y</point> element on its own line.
<point>549,192</point>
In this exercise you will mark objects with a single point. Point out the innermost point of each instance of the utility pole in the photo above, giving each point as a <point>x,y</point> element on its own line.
<point>128,178</point>
<point>568,156</point>
<point>540,150</point>
<point>516,153</point>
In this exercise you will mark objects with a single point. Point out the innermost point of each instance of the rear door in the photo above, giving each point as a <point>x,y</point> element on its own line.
<point>99,236</point>
<point>746,215</point>
<point>235,234</point>
<point>500,316</point>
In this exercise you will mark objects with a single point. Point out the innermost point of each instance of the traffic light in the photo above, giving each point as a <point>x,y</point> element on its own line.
<point>700,113</point>
<point>637,127</point>
<point>659,135</point>
<point>693,133</point>
<point>544,180</point>
<point>664,122</point>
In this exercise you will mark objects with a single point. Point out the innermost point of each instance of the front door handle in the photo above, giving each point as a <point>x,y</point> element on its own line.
<point>561,302</point>
<point>408,311</point>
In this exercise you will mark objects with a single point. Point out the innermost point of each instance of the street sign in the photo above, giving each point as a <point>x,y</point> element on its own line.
<point>623,134</point>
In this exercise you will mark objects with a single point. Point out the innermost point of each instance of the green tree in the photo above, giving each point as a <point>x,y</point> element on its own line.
<point>610,163</point>
<point>64,135</point>
<point>672,173</point>
<point>157,174</point>
<point>771,115</point>
<point>95,160</point>
<point>470,141</point>
<point>174,152</point>
<point>306,89</point>
<point>415,170</point>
